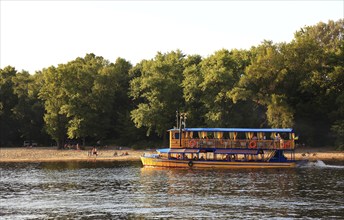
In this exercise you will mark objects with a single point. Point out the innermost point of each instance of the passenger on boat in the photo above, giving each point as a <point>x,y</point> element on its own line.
<point>202,158</point>
<point>277,140</point>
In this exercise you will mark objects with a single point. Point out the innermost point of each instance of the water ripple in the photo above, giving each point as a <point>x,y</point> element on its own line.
<point>124,190</point>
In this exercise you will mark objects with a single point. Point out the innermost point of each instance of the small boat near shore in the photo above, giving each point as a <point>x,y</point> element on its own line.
<point>226,148</point>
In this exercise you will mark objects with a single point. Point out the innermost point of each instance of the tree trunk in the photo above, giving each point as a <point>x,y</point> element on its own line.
<point>59,143</point>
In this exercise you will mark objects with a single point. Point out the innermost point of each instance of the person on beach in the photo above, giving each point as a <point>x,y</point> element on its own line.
<point>93,152</point>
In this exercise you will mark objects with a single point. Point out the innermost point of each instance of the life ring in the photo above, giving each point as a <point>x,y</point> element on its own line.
<point>287,144</point>
<point>190,163</point>
<point>253,144</point>
<point>192,143</point>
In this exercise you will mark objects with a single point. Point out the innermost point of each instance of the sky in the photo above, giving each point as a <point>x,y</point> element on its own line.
<point>39,34</point>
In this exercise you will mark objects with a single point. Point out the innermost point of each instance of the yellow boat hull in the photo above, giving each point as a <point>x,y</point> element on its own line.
<point>161,162</point>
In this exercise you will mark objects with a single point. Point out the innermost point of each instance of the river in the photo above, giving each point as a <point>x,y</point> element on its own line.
<point>125,190</point>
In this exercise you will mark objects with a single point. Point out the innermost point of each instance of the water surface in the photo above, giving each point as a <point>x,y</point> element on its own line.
<point>108,190</point>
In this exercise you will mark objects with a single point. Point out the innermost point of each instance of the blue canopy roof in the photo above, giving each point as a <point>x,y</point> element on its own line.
<point>177,150</point>
<point>287,130</point>
<point>163,150</point>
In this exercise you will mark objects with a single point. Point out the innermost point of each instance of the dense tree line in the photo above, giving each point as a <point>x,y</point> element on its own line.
<point>298,84</point>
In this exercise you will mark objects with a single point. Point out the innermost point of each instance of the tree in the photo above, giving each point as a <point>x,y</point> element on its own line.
<point>158,92</point>
<point>220,73</point>
<point>21,112</point>
<point>54,98</point>
<point>8,126</point>
<point>29,110</point>
<point>297,84</point>
<point>85,81</point>
<point>82,97</point>
<point>192,93</point>
<point>111,90</point>
<point>263,83</point>
<point>315,58</point>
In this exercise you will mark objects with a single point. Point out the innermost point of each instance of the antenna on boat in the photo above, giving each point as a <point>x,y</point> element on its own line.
<point>177,116</point>
<point>182,122</point>
<point>181,119</point>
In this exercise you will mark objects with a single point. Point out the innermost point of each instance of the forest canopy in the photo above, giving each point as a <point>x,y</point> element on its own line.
<point>299,84</point>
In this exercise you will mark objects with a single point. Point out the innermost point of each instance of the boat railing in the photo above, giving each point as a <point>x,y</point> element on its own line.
<point>148,155</point>
<point>229,143</point>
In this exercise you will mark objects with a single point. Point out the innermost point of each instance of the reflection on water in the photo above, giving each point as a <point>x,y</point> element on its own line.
<point>107,190</point>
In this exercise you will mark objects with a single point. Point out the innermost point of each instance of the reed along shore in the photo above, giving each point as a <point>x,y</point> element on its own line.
<point>47,154</point>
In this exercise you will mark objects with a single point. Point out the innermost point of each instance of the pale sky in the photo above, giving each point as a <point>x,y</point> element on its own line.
<point>39,34</point>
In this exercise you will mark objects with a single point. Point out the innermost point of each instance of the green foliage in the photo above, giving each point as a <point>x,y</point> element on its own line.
<point>279,114</point>
<point>158,92</point>
<point>263,83</point>
<point>21,113</point>
<point>53,95</point>
<point>297,84</point>
<point>192,93</point>
<point>316,58</point>
<point>81,97</point>
<point>219,76</point>
<point>338,130</point>
<point>8,101</point>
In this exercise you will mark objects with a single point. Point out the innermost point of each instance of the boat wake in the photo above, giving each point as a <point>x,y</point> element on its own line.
<point>320,164</point>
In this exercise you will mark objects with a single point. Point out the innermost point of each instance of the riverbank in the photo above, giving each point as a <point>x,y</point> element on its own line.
<point>49,154</point>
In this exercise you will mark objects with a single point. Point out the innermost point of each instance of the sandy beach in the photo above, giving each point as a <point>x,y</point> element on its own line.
<point>46,154</point>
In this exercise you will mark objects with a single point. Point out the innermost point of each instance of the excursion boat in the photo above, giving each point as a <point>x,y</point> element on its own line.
<point>226,148</point>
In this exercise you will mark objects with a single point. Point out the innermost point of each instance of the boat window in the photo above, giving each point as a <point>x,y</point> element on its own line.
<point>189,134</point>
<point>202,134</point>
<point>210,156</point>
<point>285,136</point>
<point>202,156</point>
<point>218,135</point>
<point>176,135</point>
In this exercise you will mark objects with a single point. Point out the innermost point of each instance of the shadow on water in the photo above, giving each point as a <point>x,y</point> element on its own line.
<point>74,165</point>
